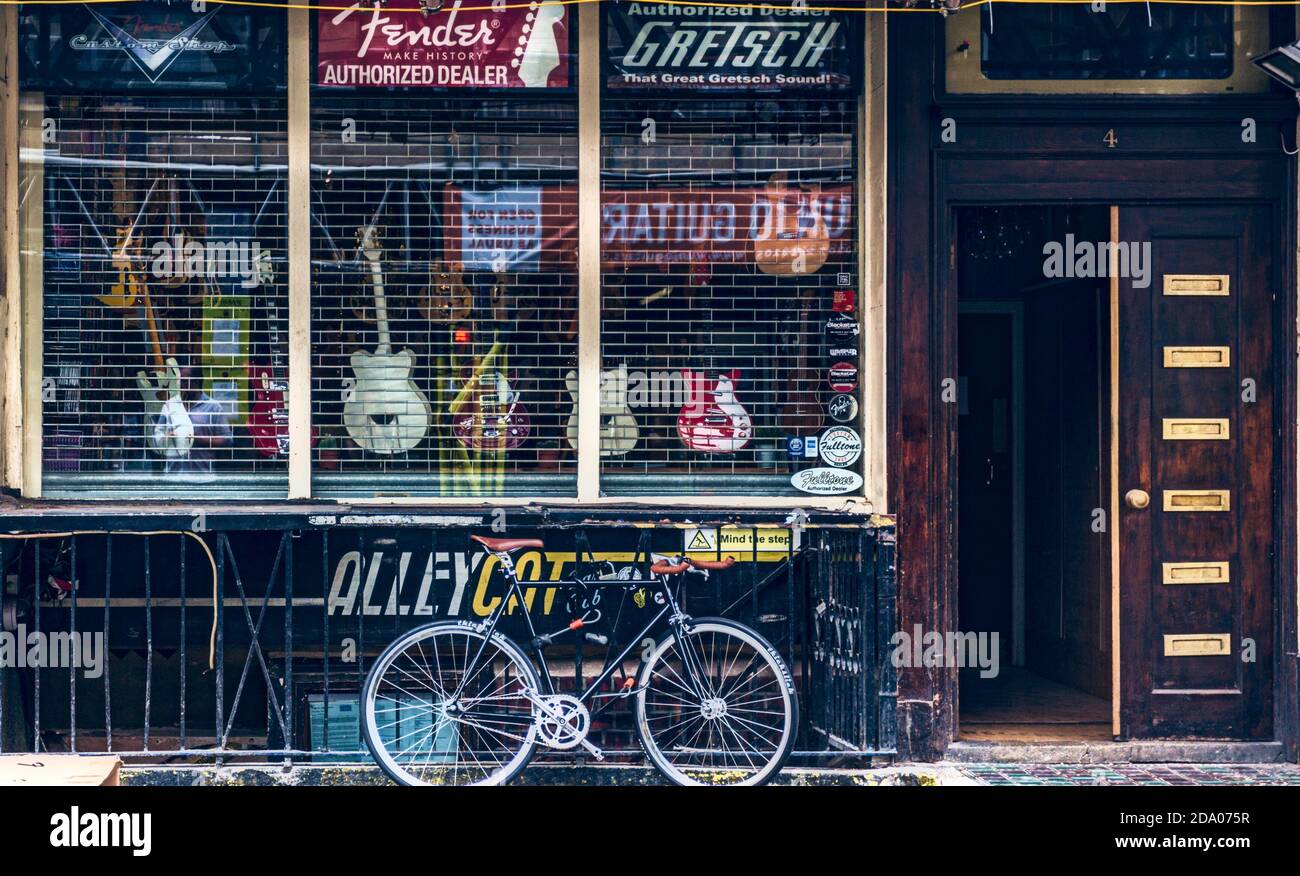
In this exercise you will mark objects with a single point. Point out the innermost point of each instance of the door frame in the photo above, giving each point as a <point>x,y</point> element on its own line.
<point>1015,310</point>
<point>973,180</point>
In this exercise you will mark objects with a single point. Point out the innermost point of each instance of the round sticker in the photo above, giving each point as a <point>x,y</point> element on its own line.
<point>843,408</point>
<point>840,446</point>
<point>844,377</point>
<point>841,326</point>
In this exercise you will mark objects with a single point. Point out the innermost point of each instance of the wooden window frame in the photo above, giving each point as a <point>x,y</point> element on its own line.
<point>20,326</point>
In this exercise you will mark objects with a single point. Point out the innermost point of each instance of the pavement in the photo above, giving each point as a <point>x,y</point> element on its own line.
<point>901,775</point>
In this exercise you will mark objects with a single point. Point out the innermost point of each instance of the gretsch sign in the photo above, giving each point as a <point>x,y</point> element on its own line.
<point>732,48</point>
<point>465,45</point>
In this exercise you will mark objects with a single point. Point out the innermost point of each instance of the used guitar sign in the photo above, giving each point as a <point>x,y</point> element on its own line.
<point>462,46</point>
<point>669,45</point>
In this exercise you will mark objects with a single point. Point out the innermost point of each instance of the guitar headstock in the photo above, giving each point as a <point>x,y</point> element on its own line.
<point>265,268</point>
<point>368,241</point>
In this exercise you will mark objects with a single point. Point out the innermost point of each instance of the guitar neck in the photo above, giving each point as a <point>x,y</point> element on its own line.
<point>381,308</point>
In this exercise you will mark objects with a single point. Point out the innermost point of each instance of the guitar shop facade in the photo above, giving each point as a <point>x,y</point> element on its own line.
<point>614,289</point>
<point>298,301</point>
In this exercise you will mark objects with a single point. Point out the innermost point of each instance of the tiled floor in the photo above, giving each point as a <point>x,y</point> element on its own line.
<point>1131,774</point>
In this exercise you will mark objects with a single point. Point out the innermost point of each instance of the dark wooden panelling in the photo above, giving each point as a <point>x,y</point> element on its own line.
<point>1025,149</point>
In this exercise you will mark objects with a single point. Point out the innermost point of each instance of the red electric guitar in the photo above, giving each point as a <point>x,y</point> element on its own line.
<point>268,415</point>
<point>713,420</point>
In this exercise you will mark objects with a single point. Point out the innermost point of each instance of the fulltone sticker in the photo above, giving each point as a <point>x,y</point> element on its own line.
<point>840,446</point>
<point>826,481</point>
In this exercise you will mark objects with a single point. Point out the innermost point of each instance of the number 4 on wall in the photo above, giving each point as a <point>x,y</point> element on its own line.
<point>1110,139</point>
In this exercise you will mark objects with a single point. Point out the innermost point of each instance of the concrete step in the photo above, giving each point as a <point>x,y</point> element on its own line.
<point>1145,751</point>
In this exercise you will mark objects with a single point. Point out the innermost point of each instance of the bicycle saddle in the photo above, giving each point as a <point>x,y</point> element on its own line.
<point>506,545</point>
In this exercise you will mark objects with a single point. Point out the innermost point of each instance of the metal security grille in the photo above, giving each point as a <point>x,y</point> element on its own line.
<point>728,290</point>
<point>444,295</point>
<point>162,226</point>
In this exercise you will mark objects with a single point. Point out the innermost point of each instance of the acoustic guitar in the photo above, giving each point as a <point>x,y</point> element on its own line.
<point>385,412</point>
<point>446,298</point>
<point>801,410</point>
<point>794,239</point>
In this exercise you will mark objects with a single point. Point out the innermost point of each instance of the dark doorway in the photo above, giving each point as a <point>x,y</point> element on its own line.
<point>1033,396</point>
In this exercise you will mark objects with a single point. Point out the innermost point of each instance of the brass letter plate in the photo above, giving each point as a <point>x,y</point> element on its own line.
<point>1196,284</point>
<point>1194,429</point>
<point>1208,572</point>
<point>1197,500</point>
<point>1198,645</point>
<point>1197,357</point>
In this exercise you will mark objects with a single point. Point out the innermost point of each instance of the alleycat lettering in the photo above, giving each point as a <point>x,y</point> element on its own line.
<point>379,583</point>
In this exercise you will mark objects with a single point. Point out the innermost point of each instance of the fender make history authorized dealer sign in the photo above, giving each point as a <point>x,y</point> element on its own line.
<point>736,48</point>
<point>465,45</point>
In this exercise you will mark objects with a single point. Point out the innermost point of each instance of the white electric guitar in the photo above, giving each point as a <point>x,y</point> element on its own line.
<point>168,427</point>
<point>385,412</point>
<point>538,52</point>
<point>618,428</point>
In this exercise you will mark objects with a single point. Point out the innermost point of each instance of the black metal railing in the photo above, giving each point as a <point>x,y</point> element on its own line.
<point>119,648</point>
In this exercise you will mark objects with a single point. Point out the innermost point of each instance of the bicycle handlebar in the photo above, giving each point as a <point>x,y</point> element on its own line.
<point>664,567</point>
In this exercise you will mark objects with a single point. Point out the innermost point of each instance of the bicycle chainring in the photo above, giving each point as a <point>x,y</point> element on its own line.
<point>567,727</point>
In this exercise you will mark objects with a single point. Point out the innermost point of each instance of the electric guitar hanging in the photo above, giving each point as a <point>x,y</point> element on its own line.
<point>714,420</point>
<point>619,431</point>
<point>485,414</point>
<point>385,412</point>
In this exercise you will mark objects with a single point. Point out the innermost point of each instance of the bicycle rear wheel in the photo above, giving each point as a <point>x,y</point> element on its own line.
<point>717,707</point>
<point>421,733</point>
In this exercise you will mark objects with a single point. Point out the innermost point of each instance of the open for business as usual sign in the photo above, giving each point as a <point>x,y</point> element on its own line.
<point>727,48</point>
<point>465,45</point>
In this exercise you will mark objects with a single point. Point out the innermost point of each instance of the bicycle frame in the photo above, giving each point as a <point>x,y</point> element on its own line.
<point>670,609</point>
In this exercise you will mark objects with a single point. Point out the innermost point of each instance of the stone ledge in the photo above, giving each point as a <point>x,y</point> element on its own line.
<point>310,775</point>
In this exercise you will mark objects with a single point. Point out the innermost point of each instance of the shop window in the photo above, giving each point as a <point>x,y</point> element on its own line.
<point>1005,47</point>
<point>444,268</point>
<point>152,228</point>
<point>730,317</point>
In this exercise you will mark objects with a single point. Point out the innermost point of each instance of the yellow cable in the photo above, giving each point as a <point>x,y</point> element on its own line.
<point>212,563</point>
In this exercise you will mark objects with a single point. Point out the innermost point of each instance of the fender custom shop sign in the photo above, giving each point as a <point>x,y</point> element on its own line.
<point>464,45</point>
<point>727,48</point>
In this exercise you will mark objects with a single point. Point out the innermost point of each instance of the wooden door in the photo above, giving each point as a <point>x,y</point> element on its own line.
<point>1194,472</point>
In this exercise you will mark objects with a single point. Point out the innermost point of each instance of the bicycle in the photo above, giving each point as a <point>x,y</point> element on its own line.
<point>460,703</point>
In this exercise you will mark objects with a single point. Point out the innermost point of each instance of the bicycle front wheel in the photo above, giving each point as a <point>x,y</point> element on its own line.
<point>716,706</point>
<point>446,705</point>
